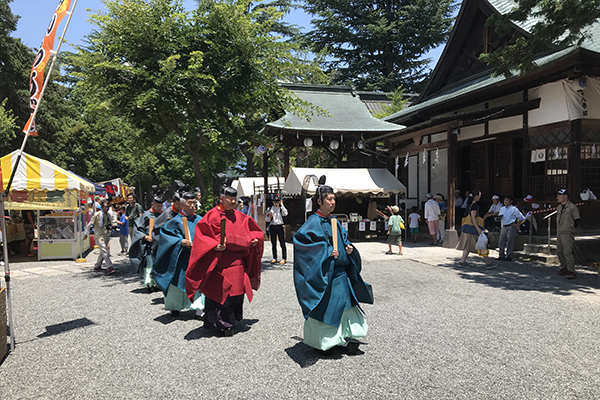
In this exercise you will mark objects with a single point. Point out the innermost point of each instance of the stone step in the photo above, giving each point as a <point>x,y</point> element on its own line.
<point>539,248</point>
<point>550,259</point>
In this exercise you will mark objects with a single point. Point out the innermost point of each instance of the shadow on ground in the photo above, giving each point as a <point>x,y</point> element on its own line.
<point>239,328</point>
<point>56,329</point>
<point>526,276</point>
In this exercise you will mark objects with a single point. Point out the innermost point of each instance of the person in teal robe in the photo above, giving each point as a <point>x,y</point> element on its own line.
<point>143,245</point>
<point>328,282</point>
<point>172,257</point>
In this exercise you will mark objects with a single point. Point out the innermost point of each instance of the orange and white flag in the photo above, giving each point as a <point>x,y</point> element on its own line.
<point>36,80</point>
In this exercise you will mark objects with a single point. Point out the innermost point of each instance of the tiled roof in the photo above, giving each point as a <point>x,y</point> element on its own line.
<point>346,112</point>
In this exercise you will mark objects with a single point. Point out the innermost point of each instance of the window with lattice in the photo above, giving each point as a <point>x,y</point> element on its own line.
<point>590,166</point>
<point>556,161</point>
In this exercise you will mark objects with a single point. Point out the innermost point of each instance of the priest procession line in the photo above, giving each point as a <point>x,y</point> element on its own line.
<point>207,264</point>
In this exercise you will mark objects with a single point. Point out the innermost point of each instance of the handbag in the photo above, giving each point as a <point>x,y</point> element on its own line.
<point>467,224</point>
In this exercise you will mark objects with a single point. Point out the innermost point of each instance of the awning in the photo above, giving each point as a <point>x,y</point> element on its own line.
<point>247,186</point>
<point>40,185</point>
<point>346,181</point>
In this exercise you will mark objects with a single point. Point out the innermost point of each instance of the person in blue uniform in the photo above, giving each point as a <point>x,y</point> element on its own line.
<point>143,245</point>
<point>328,282</point>
<point>172,258</point>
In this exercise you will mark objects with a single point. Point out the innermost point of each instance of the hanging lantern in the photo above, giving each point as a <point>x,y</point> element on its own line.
<point>302,154</point>
<point>308,142</point>
<point>324,155</point>
<point>260,150</point>
<point>334,144</point>
<point>279,155</point>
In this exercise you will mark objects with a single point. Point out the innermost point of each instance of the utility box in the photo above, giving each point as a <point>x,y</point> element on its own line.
<point>3,324</point>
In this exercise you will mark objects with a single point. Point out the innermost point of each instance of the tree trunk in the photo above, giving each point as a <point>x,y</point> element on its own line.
<point>198,173</point>
<point>250,170</point>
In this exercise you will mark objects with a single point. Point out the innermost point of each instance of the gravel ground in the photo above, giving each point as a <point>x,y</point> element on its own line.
<point>437,330</point>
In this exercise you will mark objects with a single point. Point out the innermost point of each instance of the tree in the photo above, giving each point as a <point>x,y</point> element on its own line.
<point>561,23</point>
<point>190,78</point>
<point>398,103</point>
<point>379,45</point>
<point>15,63</point>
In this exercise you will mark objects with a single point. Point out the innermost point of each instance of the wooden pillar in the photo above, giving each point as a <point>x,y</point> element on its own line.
<point>266,171</point>
<point>451,237</point>
<point>574,159</point>
<point>286,162</point>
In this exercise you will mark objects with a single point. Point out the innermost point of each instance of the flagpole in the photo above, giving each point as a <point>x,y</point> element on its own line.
<point>32,119</point>
<point>7,273</point>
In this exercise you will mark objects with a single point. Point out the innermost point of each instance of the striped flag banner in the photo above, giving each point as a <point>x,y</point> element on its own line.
<point>36,79</point>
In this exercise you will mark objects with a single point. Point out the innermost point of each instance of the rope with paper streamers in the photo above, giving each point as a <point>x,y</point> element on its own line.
<point>550,209</point>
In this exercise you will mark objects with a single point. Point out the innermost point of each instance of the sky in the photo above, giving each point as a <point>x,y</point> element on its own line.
<point>36,14</point>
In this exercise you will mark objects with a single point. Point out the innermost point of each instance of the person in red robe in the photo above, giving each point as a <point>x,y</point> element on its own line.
<point>225,272</point>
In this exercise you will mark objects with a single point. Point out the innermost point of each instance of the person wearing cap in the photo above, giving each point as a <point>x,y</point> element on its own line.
<point>327,280</point>
<point>509,217</point>
<point>143,247</point>
<point>226,271</point>
<point>102,224</point>
<point>275,216</point>
<point>490,216</point>
<point>395,230</point>
<point>567,220</point>
<point>133,211</point>
<point>432,215</point>
<point>173,255</point>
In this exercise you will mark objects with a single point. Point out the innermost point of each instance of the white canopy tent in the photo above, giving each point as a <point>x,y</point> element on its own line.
<point>248,186</point>
<point>346,181</point>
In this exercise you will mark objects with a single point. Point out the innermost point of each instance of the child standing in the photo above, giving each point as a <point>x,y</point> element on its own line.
<point>395,230</point>
<point>123,225</point>
<point>413,222</point>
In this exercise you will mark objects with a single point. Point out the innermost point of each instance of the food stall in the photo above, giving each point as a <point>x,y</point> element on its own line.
<point>358,190</point>
<point>40,185</point>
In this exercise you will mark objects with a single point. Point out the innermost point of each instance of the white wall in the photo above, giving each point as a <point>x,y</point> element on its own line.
<point>439,172</point>
<point>471,132</point>
<point>506,124</point>
<point>553,107</point>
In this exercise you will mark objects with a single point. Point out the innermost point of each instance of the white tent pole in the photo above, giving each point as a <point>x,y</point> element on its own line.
<point>7,273</point>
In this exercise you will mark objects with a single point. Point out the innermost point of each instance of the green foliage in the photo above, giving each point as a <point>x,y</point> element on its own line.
<point>560,23</point>
<point>398,103</point>
<point>8,126</point>
<point>197,83</point>
<point>379,45</point>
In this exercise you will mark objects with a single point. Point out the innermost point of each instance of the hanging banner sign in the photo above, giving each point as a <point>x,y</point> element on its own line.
<point>36,79</point>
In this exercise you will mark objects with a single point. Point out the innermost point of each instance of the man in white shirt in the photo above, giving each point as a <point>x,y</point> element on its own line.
<point>275,216</point>
<point>490,217</point>
<point>432,215</point>
<point>509,216</point>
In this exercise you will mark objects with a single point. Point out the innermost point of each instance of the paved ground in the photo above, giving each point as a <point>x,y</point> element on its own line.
<point>437,330</point>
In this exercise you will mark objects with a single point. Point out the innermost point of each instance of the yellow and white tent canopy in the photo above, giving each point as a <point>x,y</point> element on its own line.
<point>40,185</point>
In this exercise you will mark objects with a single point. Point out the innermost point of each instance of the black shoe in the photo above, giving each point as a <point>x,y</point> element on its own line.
<point>562,271</point>
<point>500,258</point>
<point>352,347</point>
<point>174,313</point>
<point>228,332</point>
<point>507,259</point>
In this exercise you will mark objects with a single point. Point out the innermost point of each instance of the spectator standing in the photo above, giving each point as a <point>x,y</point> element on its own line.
<point>443,212</point>
<point>395,230</point>
<point>509,217</point>
<point>275,216</point>
<point>432,215</point>
<point>28,226</point>
<point>133,211</point>
<point>198,201</point>
<point>414,218</point>
<point>123,225</point>
<point>567,220</point>
<point>458,210</point>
